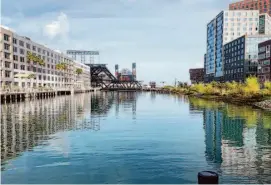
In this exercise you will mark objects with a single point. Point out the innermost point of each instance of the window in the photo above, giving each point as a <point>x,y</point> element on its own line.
<point>39,77</point>
<point>48,65</point>
<point>6,37</point>
<point>14,41</point>
<point>21,59</point>
<point>28,46</point>
<point>43,52</point>
<point>7,64</point>
<point>21,43</point>
<point>14,49</point>
<point>7,56</point>
<point>28,68</point>
<point>48,54</point>
<point>44,77</point>
<point>6,46</point>
<point>39,50</point>
<point>22,67</point>
<point>267,47</point>
<point>7,74</point>
<point>34,48</point>
<point>15,57</point>
<point>15,66</point>
<point>22,51</point>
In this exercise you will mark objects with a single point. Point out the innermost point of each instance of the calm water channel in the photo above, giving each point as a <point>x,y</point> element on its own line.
<point>133,138</point>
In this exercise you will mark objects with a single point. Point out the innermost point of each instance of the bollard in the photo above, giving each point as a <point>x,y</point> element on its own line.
<point>207,177</point>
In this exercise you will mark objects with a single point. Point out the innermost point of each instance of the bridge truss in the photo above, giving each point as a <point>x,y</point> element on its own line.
<point>102,77</point>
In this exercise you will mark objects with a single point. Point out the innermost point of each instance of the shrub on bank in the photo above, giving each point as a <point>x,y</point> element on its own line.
<point>249,89</point>
<point>252,86</point>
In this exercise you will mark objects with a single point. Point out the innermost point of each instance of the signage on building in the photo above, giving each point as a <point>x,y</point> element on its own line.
<point>262,24</point>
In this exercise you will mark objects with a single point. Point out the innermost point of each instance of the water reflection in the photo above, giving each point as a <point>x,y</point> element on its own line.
<point>238,139</point>
<point>28,124</point>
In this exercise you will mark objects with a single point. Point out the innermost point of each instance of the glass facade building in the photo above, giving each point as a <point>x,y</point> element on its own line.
<point>219,46</point>
<point>210,55</point>
<point>241,57</point>
<point>224,28</point>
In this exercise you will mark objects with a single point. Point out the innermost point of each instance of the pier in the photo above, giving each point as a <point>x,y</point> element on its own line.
<point>9,95</point>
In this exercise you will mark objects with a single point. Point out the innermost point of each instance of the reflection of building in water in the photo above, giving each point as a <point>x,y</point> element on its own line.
<point>238,150</point>
<point>127,101</point>
<point>212,125</point>
<point>194,109</point>
<point>27,124</point>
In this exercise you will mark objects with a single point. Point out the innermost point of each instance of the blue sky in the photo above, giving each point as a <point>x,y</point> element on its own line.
<point>164,37</point>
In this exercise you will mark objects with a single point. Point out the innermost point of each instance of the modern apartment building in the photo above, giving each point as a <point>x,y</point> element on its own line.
<point>264,57</point>
<point>16,67</point>
<point>225,27</point>
<point>241,57</point>
<point>264,6</point>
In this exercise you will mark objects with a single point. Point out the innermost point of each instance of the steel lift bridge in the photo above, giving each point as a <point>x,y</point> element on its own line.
<point>102,77</point>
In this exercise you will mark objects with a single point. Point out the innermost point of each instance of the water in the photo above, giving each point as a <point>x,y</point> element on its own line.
<point>133,138</point>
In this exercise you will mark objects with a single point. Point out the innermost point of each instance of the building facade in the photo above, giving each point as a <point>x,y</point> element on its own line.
<point>196,75</point>
<point>225,27</point>
<point>241,57</point>
<point>264,6</point>
<point>15,64</point>
<point>264,70</point>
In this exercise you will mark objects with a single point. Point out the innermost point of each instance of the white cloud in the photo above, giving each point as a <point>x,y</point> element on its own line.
<point>59,27</point>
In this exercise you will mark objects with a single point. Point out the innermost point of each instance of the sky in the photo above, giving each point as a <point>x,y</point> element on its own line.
<point>164,37</point>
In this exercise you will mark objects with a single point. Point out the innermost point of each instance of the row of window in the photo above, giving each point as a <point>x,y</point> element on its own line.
<point>34,48</point>
<point>234,59</point>
<point>265,62</point>
<point>240,13</point>
<point>22,52</point>
<point>264,55</point>
<point>234,43</point>
<point>264,70</point>
<point>232,71</point>
<point>8,75</point>
<point>239,19</point>
<point>34,69</point>
<point>264,48</point>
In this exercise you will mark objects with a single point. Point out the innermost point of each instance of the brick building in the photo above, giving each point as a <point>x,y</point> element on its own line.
<point>264,69</point>
<point>264,6</point>
<point>196,75</point>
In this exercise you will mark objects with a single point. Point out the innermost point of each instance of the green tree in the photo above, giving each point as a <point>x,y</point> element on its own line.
<point>79,71</point>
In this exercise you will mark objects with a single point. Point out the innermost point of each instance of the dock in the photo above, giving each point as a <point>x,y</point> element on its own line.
<point>9,95</point>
